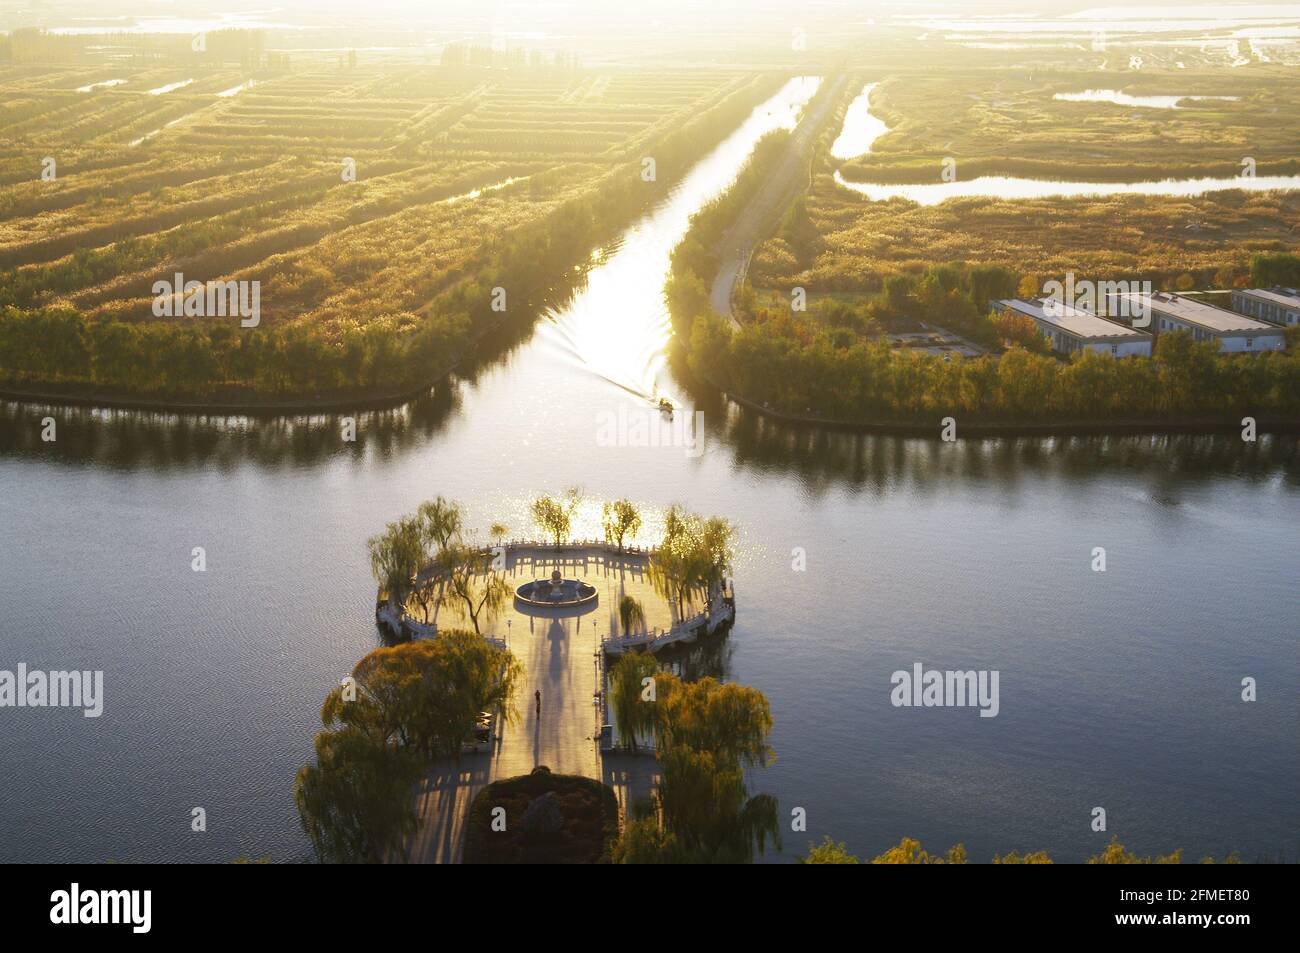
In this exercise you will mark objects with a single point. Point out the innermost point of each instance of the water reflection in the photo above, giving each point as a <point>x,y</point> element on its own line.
<point>1013,187</point>
<point>143,441</point>
<point>1148,102</point>
<point>148,441</point>
<point>861,129</point>
<point>133,440</point>
<point>617,326</point>
<point>709,657</point>
<point>887,464</point>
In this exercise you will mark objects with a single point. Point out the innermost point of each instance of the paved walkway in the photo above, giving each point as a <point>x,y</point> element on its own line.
<point>560,659</point>
<point>759,217</point>
<point>559,656</point>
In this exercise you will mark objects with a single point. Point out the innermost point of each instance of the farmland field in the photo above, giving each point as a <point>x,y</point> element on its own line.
<point>372,205</point>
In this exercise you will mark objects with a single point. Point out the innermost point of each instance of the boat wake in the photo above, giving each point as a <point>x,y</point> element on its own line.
<point>633,371</point>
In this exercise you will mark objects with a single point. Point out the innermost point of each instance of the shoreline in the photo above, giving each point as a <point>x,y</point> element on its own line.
<point>1207,425</point>
<point>1199,425</point>
<point>252,408</point>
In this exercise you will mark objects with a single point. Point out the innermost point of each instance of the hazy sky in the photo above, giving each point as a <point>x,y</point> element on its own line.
<point>580,14</point>
<point>595,24</point>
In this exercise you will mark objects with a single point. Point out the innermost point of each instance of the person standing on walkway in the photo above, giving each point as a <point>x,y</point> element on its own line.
<point>538,695</point>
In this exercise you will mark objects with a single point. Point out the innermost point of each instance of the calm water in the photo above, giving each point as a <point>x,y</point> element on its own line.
<point>1148,102</point>
<point>170,87</point>
<point>861,129</point>
<point>106,84</point>
<point>1118,689</point>
<point>1012,187</point>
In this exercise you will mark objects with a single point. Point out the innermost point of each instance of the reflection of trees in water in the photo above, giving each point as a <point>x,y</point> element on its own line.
<point>882,463</point>
<point>158,440</point>
<point>129,439</point>
<point>147,440</point>
<point>709,656</point>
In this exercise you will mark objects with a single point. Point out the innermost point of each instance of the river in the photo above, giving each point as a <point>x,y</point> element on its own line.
<point>861,129</point>
<point>1013,188</point>
<point>1118,689</point>
<point>1120,98</point>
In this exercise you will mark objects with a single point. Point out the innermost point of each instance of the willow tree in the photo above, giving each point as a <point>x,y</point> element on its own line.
<point>620,519</point>
<point>402,706</point>
<point>828,852</point>
<point>396,556</point>
<point>426,595</point>
<point>717,539</point>
<point>730,720</point>
<point>631,614</point>
<point>469,581</point>
<point>696,554</point>
<point>706,734</point>
<point>633,711</point>
<point>1117,853</point>
<point>910,851</point>
<point>644,841</point>
<point>441,523</point>
<point>555,517</point>
<point>676,564</point>
<point>706,804</point>
<point>355,802</point>
<point>426,696</point>
<point>1015,857</point>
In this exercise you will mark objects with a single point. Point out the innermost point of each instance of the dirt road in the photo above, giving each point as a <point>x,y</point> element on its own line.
<point>762,213</point>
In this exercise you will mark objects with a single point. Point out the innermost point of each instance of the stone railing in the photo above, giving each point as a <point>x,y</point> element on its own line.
<point>721,611</point>
<point>401,625</point>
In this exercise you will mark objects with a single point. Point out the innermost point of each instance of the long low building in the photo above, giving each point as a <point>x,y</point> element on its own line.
<point>1071,329</point>
<point>1275,305</point>
<point>1174,312</point>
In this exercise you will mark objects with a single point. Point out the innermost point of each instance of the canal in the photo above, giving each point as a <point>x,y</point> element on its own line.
<point>858,556</point>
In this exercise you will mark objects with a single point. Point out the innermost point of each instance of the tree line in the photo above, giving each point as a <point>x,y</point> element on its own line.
<point>909,851</point>
<point>786,361</point>
<point>798,370</point>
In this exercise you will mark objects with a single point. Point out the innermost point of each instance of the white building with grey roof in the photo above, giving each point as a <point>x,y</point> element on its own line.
<point>1275,305</point>
<point>1174,312</point>
<point>1072,329</point>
